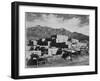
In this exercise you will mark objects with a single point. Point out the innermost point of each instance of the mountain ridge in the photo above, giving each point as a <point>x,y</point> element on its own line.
<point>38,32</point>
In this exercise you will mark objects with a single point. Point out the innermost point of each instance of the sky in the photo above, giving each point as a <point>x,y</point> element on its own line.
<point>71,22</point>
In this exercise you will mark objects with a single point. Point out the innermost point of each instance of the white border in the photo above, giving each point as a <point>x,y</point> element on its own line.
<point>37,71</point>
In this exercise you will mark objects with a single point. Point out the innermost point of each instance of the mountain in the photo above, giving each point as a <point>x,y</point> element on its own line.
<point>38,32</point>
<point>79,36</point>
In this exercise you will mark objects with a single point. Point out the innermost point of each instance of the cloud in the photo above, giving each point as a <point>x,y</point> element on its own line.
<point>73,24</point>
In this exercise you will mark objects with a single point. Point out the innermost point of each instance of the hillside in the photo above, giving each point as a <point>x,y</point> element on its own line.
<point>79,36</point>
<point>44,32</point>
<point>38,32</point>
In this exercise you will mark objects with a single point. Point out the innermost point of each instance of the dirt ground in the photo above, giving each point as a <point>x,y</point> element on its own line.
<point>59,62</point>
